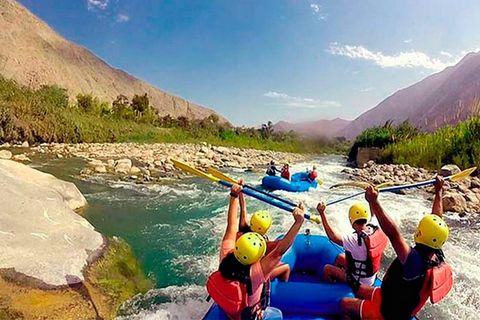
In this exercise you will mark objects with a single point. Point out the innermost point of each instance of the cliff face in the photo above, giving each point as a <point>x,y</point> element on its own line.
<point>33,54</point>
<point>441,99</point>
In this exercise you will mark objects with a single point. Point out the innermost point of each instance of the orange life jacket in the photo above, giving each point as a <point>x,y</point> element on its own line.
<point>376,242</point>
<point>438,283</point>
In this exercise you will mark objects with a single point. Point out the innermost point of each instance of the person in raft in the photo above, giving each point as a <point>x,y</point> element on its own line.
<point>312,174</point>
<point>363,249</point>
<point>272,170</point>
<point>260,222</point>
<point>285,172</point>
<point>416,274</point>
<point>244,268</point>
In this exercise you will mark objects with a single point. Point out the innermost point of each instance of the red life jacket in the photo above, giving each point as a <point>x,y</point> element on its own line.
<point>230,295</point>
<point>438,283</point>
<point>376,242</point>
<point>231,286</point>
<point>312,175</point>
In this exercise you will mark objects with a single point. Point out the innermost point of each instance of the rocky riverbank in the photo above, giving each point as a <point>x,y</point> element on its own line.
<point>150,162</point>
<point>54,265</point>
<point>462,196</point>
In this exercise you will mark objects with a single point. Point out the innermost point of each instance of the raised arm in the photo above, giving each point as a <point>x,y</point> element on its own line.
<point>270,261</point>
<point>232,221</point>
<point>243,209</point>
<point>437,202</point>
<point>399,244</point>
<point>332,235</point>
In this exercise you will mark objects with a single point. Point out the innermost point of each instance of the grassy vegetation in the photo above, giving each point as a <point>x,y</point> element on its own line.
<point>459,145</point>
<point>48,115</point>
<point>381,136</point>
<point>118,274</point>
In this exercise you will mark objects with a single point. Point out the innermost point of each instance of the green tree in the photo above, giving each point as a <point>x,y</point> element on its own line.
<point>140,104</point>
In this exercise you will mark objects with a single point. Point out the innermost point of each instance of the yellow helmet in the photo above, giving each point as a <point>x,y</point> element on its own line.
<point>260,222</point>
<point>250,248</point>
<point>357,212</point>
<point>432,231</point>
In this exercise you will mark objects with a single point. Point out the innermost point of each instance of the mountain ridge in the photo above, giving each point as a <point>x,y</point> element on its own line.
<point>441,99</point>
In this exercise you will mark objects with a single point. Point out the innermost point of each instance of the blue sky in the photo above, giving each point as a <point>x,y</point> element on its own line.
<point>254,61</point>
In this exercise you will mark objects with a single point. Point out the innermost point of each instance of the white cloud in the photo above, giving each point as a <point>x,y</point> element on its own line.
<point>366,89</point>
<point>122,18</point>
<point>97,4</point>
<point>316,11</point>
<point>297,102</point>
<point>446,54</point>
<point>408,40</point>
<point>400,60</point>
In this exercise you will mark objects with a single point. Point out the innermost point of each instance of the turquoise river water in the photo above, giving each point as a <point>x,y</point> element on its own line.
<point>175,228</point>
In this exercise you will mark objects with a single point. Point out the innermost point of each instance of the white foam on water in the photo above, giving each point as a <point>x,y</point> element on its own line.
<point>187,302</point>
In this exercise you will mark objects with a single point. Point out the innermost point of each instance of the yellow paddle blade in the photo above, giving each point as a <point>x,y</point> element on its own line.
<point>384,185</point>
<point>221,175</point>
<point>194,171</point>
<point>358,184</point>
<point>462,174</point>
<point>315,219</point>
<point>319,181</point>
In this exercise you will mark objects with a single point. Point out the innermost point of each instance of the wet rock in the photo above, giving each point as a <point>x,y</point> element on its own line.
<point>59,156</point>
<point>5,154</point>
<point>25,144</point>
<point>449,169</point>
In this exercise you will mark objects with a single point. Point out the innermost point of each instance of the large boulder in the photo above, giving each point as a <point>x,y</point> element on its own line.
<point>5,154</point>
<point>454,202</point>
<point>40,234</point>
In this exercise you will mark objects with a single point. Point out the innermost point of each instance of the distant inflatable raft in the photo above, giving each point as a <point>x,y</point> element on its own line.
<point>297,184</point>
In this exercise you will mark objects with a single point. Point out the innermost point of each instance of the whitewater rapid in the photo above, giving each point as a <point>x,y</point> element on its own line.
<point>193,252</point>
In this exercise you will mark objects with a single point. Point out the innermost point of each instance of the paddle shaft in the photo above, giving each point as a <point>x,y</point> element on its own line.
<point>260,197</point>
<point>391,189</point>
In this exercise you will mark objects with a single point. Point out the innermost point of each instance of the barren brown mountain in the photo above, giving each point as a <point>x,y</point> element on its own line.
<point>33,54</point>
<point>319,128</point>
<point>444,98</point>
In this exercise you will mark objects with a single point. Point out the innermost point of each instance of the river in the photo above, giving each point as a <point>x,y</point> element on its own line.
<point>175,230</point>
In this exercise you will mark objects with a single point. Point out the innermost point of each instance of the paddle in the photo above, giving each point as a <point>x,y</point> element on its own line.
<point>224,177</point>
<point>454,177</point>
<point>248,192</point>
<point>361,184</point>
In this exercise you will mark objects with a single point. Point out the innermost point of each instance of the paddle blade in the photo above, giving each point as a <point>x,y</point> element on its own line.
<point>319,181</point>
<point>384,185</point>
<point>221,175</point>
<point>462,174</point>
<point>194,171</point>
<point>357,184</point>
<point>315,219</point>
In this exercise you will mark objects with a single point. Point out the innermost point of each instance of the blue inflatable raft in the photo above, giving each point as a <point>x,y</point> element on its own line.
<point>305,295</point>
<point>297,183</point>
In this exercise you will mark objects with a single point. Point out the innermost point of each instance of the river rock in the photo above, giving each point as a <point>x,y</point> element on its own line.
<point>135,170</point>
<point>40,234</point>
<point>449,169</point>
<point>123,166</point>
<point>100,169</point>
<point>20,157</point>
<point>475,183</point>
<point>5,154</point>
<point>25,144</point>
<point>454,202</point>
